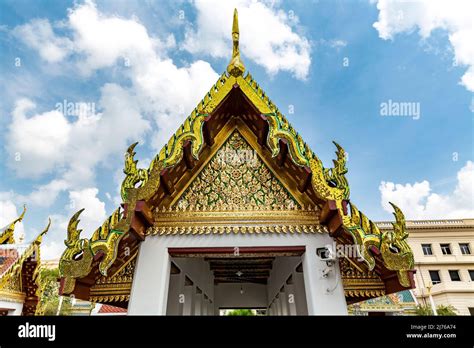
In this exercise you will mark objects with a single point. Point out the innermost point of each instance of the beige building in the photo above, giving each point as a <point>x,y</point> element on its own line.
<point>444,261</point>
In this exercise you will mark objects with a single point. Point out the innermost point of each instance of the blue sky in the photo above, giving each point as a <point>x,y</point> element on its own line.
<point>142,66</point>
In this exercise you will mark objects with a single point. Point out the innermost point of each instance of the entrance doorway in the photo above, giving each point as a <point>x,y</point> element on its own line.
<point>209,281</point>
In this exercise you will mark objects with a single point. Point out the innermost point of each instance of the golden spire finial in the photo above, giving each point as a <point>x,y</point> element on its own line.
<point>236,67</point>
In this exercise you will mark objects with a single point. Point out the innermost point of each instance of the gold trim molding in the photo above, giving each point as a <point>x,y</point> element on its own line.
<point>280,221</point>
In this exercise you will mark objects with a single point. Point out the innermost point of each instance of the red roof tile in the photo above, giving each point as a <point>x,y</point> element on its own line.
<point>7,258</point>
<point>111,309</point>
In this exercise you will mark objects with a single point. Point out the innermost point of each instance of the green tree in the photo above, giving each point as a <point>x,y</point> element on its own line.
<point>49,301</point>
<point>425,310</point>
<point>244,312</point>
<point>446,310</point>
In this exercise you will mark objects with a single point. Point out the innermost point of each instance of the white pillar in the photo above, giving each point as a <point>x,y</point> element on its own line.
<point>283,302</point>
<point>174,306</point>
<point>210,310</point>
<point>277,306</point>
<point>198,296</point>
<point>300,293</point>
<point>291,299</point>
<point>270,309</point>
<point>188,305</point>
<point>325,296</point>
<point>204,305</point>
<point>149,293</point>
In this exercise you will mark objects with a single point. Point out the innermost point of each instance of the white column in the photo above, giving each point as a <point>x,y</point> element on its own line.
<point>283,302</point>
<point>188,305</point>
<point>210,309</point>
<point>204,305</point>
<point>149,293</point>
<point>198,296</point>
<point>174,306</point>
<point>270,310</point>
<point>300,293</point>
<point>325,296</point>
<point>277,306</point>
<point>291,299</point>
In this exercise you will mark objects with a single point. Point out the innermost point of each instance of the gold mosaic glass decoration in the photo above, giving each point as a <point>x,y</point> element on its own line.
<point>236,178</point>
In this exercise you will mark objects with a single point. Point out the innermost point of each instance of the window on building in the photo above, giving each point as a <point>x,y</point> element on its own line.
<point>435,279</point>
<point>454,275</point>
<point>471,274</point>
<point>465,250</point>
<point>446,249</point>
<point>427,249</point>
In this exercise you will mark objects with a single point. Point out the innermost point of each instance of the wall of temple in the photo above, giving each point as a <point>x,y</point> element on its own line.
<point>149,294</point>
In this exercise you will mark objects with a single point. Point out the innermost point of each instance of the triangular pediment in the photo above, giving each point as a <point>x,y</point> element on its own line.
<point>236,178</point>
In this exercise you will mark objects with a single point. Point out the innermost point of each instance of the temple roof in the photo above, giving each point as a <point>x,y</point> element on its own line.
<point>235,102</point>
<point>19,266</point>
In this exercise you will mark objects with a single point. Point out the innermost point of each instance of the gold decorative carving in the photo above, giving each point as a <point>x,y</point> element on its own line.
<point>359,283</point>
<point>235,179</point>
<point>330,184</point>
<point>76,260</point>
<point>13,273</point>
<point>253,220</point>
<point>117,286</point>
<point>395,250</point>
<point>7,236</point>
<point>396,253</point>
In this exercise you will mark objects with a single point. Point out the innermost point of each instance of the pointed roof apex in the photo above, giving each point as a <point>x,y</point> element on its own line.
<point>235,67</point>
<point>235,24</point>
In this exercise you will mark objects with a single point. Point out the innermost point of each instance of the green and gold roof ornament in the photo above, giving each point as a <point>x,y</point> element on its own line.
<point>32,250</point>
<point>236,67</point>
<point>7,235</point>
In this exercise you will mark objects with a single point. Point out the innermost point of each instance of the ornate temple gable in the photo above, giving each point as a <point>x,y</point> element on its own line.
<point>235,98</point>
<point>235,192</point>
<point>235,179</point>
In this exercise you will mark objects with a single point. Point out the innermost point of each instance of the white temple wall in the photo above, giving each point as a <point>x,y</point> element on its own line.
<point>149,294</point>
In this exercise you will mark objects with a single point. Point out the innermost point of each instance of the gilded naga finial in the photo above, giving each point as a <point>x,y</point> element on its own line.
<point>236,67</point>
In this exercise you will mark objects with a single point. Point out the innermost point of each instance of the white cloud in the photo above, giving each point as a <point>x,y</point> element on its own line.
<point>267,35</point>
<point>36,144</point>
<point>74,145</point>
<point>45,195</point>
<point>94,214</point>
<point>103,39</point>
<point>160,90</point>
<point>164,90</point>
<point>456,17</point>
<point>419,202</point>
<point>39,35</point>
<point>49,142</point>
<point>51,250</point>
